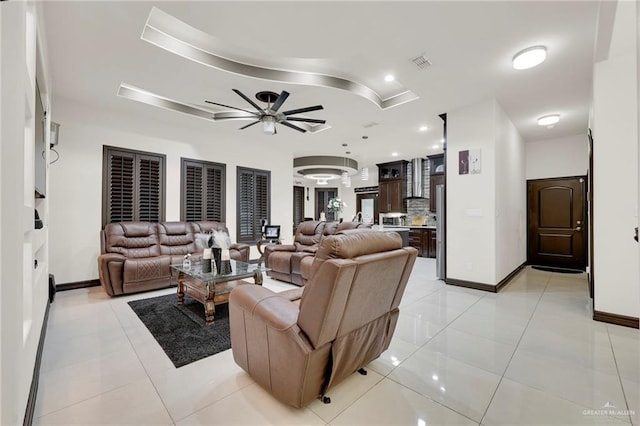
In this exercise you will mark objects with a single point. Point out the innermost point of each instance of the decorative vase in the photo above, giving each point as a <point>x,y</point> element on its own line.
<point>206,260</point>
<point>217,257</point>
<point>226,262</point>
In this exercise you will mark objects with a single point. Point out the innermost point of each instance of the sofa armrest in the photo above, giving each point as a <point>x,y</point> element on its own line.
<point>111,272</point>
<point>276,311</point>
<point>278,247</point>
<point>243,251</point>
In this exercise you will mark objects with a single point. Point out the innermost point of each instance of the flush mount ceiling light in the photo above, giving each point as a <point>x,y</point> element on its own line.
<point>389,78</point>
<point>529,57</point>
<point>324,167</point>
<point>394,154</point>
<point>548,120</point>
<point>423,128</point>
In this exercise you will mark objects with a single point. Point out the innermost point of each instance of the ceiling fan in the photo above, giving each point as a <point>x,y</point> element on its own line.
<point>271,115</point>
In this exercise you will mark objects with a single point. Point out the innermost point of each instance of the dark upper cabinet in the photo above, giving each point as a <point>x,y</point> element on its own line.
<point>392,179</point>
<point>436,161</point>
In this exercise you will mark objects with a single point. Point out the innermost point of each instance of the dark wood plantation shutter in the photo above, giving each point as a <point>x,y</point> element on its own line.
<point>203,191</point>
<point>120,190</point>
<point>298,206</point>
<point>133,186</point>
<point>149,188</point>
<point>254,202</point>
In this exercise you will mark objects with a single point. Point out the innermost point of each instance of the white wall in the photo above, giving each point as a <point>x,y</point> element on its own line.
<point>615,134</point>
<point>23,290</point>
<point>471,199</point>
<point>560,157</point>
<point>511,215</point>
<point>76,179</point>
<point>486,216</point>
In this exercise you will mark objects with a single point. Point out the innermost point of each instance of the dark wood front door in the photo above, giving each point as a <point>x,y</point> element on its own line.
<point>556,228</point>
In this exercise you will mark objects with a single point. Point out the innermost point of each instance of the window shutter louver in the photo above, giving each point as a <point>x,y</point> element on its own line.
<point>214,201</point>
<point>298,206</point>
<point>203,191</point>
<point>133,186</point>
<point>253,202</point>
<point>193,193</point>
<point>149,186</point>
<point>121,188</point>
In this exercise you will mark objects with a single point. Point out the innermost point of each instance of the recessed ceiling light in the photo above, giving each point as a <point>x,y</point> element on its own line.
<point>436,146</point>
<point>548,120</point>
<point>389,78</point>
<point>394,154</point>
<point>530,57</point>
<point>423,128</point>
<point>442,140</point>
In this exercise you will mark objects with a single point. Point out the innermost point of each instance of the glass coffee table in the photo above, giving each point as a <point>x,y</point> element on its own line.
<point>212,288</point>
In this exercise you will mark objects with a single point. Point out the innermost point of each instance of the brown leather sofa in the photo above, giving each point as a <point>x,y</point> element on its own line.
<point>292,263</point>
<point>136,256</point>
<point>346,317</point>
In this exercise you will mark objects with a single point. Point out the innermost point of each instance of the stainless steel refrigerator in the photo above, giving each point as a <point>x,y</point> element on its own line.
<point>440,232</point>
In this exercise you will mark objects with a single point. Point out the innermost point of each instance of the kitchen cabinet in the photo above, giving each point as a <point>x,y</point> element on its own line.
<point>423,240</point>
<point>391,196</point>
<point>434,180</point>
<point>392,179</point>
<point>415,240</point>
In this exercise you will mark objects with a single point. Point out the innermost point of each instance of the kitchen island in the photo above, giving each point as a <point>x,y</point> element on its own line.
<point>422,237</point>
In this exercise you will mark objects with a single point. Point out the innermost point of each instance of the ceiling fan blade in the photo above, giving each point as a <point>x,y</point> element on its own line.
<point>278,103</point>
<point>253,104</point>
<point>301,110</point>
<point>284,123</point>
<point>307,120</point>
<point>228,106</point>
<point>249,125</point>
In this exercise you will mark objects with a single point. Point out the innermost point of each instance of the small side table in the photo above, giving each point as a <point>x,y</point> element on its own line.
<point>263,243</point>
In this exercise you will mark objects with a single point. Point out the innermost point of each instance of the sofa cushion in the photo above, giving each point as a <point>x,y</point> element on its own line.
<point>176,238</point>
<point>148,268</point>
<point>132,239</point>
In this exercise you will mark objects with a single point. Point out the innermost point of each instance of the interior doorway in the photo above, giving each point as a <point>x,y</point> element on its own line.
<point>323,195</point>
<point>298,206</point>
<point>556,225</point>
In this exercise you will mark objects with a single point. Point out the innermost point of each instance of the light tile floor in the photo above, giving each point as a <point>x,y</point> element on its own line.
<point>528,355</point>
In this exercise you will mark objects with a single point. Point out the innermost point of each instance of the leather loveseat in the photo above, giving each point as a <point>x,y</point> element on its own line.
<point>346,316</point>
<point>136,256</point>
<point>292,263</point>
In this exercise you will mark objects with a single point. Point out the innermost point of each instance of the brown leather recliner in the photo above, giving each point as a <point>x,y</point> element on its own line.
<point>292,263</point>
<point>136,256</point>
<point>344,320</point>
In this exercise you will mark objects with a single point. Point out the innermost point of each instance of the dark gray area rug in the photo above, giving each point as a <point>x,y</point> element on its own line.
<point>181,330</point>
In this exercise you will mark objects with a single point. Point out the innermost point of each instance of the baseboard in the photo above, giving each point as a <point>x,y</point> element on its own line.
<point>77,284</point>
<point>509,277</point>
<point>33,391</point>
<point>471,284</point>
<point>616,319</point>
<point>485,287</point>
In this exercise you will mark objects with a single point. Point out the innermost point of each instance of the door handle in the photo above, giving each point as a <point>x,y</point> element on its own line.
<point>578,228</point>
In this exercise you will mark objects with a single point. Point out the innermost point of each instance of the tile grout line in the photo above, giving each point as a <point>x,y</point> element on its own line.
<point>173,421</point>
<point>515,350</point>
<point>615,360</point>
<point>421,346</point>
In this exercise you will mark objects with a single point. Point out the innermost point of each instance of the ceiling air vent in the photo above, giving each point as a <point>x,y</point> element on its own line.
<point>421,61</point>
<point>370,125</point>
